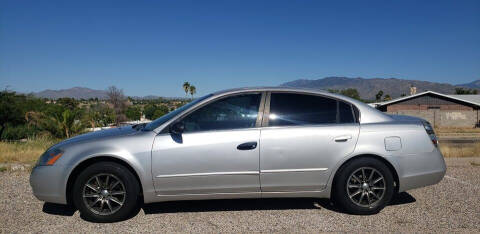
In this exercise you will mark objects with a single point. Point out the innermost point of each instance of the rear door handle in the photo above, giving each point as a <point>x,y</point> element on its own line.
<point>343,138</point>
<point>247,146</point>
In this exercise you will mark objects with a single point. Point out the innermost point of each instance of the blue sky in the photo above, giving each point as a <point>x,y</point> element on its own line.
<point>152,47</point>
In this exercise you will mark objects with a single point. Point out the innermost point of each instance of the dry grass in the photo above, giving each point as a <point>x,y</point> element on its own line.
<point>460,150</point>
<point>24,152</point>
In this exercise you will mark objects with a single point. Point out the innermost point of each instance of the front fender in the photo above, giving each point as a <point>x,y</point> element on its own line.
<point>134,152</point>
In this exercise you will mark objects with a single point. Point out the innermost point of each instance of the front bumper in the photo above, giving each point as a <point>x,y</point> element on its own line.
<point>421,170</point>
<point>49,184</point>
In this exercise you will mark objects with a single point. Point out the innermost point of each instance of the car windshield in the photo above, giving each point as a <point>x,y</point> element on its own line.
<point>156,123</point>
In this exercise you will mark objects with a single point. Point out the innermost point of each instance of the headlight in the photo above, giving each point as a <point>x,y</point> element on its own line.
<point>50,157</point>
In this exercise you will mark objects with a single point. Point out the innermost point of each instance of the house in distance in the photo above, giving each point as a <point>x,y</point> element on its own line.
<point>441,110</point>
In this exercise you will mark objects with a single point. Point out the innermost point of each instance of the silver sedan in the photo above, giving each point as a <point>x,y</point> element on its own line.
<point>244,143</point>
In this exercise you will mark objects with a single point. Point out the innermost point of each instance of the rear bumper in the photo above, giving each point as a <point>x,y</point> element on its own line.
<point>421,170</point>
<point>48,184</point>
<point>422,180</point>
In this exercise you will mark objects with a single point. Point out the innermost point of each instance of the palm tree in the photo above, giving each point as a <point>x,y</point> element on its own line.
<point>193,90</point>
<point>186,87</point>
<point>69,123</point>
<point>60,126</point>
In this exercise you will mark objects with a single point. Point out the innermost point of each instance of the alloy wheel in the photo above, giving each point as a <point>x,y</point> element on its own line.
<point>366,187</point>
<point>104,194</point>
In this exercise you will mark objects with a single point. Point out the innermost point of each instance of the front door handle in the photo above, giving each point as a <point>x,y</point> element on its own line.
<point>247,146</point>
<point>343,138</point>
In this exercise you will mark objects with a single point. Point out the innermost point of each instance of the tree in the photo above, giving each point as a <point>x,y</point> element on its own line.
<point>157,114</point>
<point>193,90</point>
<point>107,115</point>
<point>99,115</point>
<point>69,123</point>
<point>91,117</point>
<point>186,88</point>
<point>164,109</point>
<point>63,125</point>
<point>153,111</point>
<point>149,111</point>
<point>465,91</point>
<point>387,98</point>
<point>379,95</point>
<point>68,103</point>
<point>133,113</point>
<point>350,92</point>
<point>10,110</point>
<point>118,101</point>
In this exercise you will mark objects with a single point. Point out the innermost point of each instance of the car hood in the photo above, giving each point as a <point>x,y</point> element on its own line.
<point>100,135</point>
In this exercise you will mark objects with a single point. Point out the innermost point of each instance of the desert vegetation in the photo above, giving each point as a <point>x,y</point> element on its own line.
<point>29,125</point>
<point>27,117</point>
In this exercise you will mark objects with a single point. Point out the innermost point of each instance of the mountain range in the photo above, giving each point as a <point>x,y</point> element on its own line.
<point>473,85</point>
<point>367,88</point>
<point>87,93</point>
<point>75,92</point>
<point>81,93</point>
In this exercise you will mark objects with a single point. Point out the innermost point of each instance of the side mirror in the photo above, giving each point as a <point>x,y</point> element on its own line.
<point>177,128</point>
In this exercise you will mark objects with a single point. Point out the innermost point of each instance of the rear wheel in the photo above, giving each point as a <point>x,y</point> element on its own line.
<point>106,192</point>
<point>364,186</point>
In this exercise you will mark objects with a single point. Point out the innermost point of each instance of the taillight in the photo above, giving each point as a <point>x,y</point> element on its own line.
<point>430,132</point>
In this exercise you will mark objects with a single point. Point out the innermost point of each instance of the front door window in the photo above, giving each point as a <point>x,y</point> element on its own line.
<point>234,112</point>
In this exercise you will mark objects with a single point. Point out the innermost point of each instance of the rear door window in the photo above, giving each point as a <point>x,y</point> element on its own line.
<point>290,109</point>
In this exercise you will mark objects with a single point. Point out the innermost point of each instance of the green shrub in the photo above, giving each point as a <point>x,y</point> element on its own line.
<point>18,132</point>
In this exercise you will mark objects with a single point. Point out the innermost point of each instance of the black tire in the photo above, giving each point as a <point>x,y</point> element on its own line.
<point>129,184</point>
<point>341,194</point>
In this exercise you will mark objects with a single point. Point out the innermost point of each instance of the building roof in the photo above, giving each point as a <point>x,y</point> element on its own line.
<point>470,99</point>
<point>474,98</point>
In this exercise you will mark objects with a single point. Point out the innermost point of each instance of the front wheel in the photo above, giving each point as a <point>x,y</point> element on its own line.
<point>364,186</point>
<point>106,192</point>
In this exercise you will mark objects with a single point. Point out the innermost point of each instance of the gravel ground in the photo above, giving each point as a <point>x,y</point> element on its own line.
<point>451,205</point>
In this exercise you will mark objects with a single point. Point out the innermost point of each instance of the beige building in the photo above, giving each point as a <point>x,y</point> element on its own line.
<point>441,110</point>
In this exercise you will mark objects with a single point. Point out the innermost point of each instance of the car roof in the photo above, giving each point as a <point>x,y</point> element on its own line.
<point>287,89</point>
<point>271,88</point>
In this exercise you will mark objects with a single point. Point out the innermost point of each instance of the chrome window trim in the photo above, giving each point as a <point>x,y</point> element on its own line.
<point>221,130</point>
<point>311,125</point>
